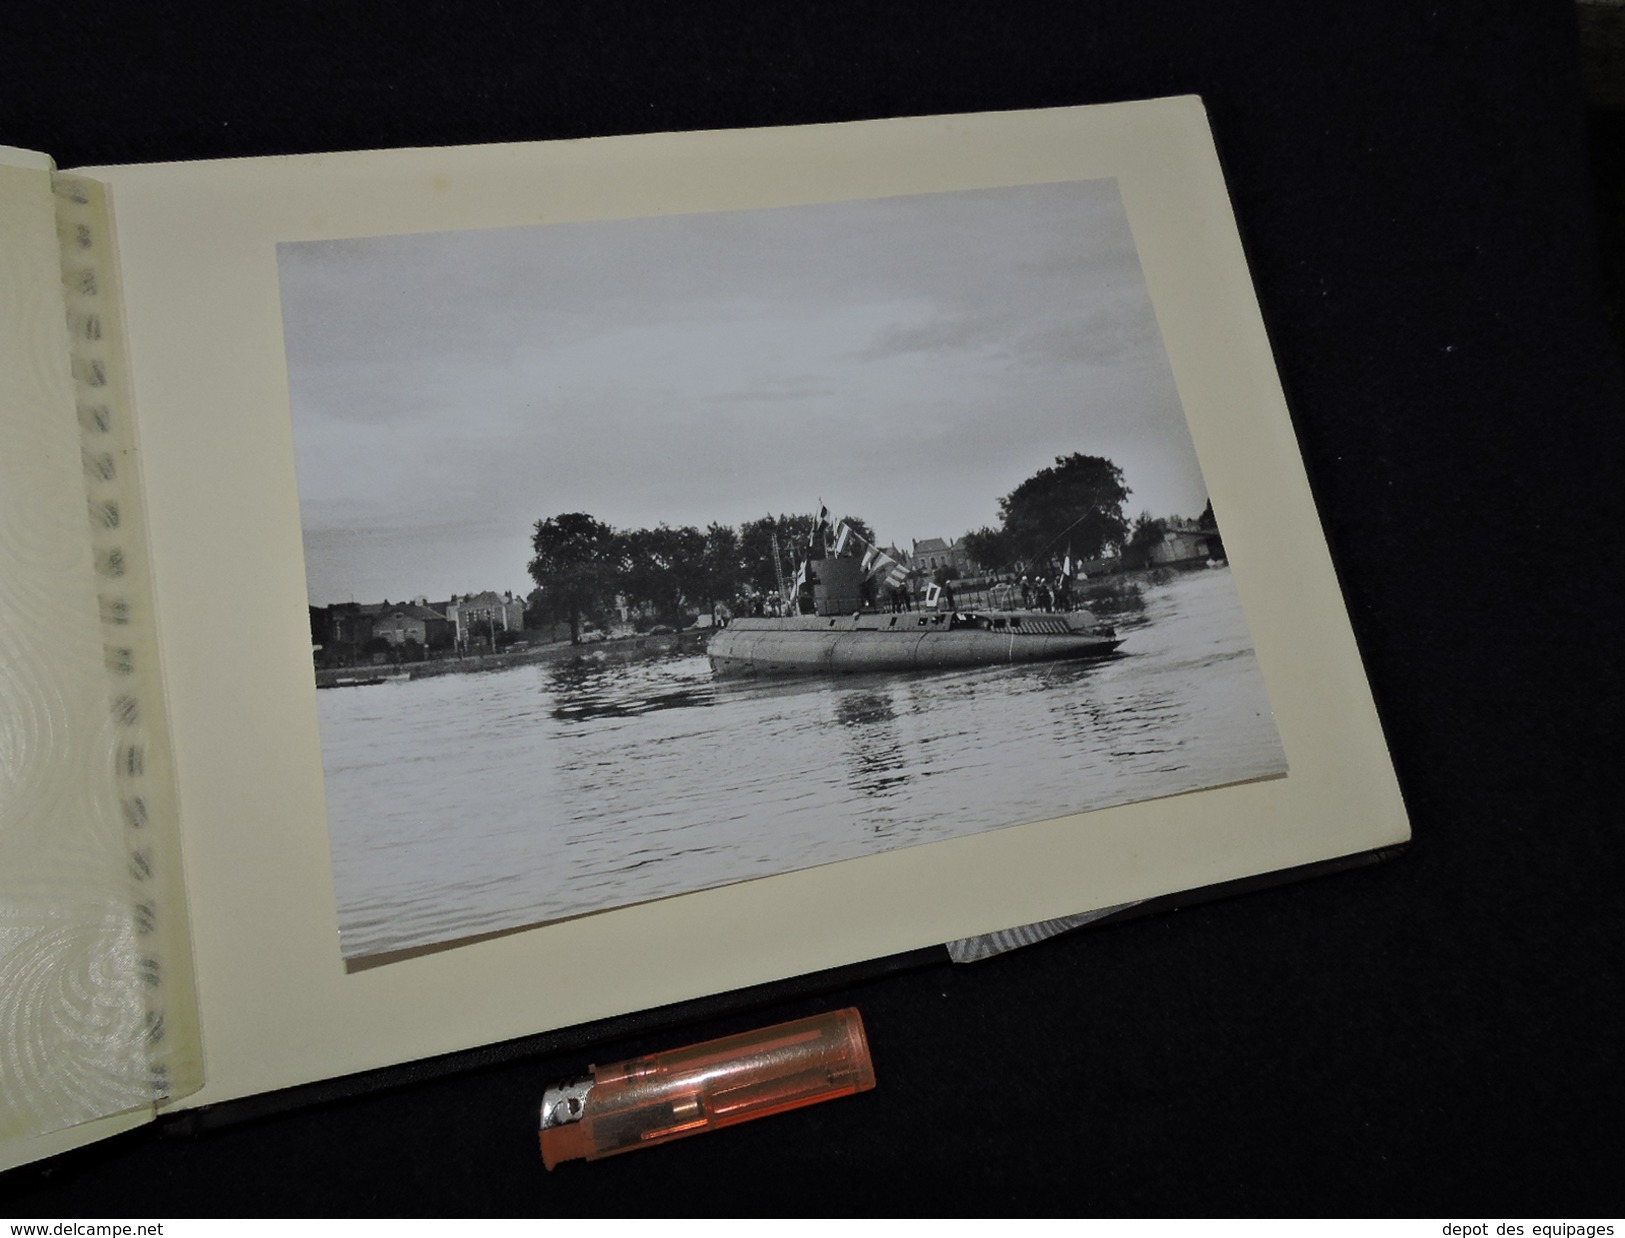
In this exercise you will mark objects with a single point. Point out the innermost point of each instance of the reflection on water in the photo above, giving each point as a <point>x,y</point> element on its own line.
<point>464,804</point>
<point>600,687</point>
<point>873,749</point>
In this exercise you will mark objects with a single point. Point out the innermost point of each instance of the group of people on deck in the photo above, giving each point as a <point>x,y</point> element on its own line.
<point>900,599</point>
<point>758,605</point>
<point>1042,595</point>
<point>1036,593</point>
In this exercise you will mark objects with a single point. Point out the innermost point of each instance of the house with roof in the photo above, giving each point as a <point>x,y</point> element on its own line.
<point>476,617</point>
<point>1184,543</point>
<point>931,553</point>
<point>407,623</point>
<point>346,632</point>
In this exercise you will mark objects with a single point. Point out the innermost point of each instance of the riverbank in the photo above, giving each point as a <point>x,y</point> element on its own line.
<point>692,640</point>
<point>1108,597</point>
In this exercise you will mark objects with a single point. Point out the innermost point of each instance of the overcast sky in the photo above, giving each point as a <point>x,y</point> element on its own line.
<point>907,360</point>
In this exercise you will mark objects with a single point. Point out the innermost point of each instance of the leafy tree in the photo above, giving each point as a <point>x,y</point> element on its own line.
<point>990,549</point>
<point>580,564</point>
<point>722,568</point>
<point>1210,524</point>
<point>756,553</point>
<point>575,566</point>
<point>795,533</point>
<point>1078,502</point>
<point>1148,531</point>
<point>756,548</point>
<point>663,567</point>
<point>536,609</point>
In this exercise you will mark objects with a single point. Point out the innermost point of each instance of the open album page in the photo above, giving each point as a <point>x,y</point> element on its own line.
<point>431,437</point>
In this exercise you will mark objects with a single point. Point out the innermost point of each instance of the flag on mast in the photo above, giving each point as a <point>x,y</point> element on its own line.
<point>843,534</point>
<point>819,525</point>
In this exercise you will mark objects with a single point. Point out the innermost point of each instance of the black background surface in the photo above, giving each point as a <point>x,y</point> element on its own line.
<point>1440,1035</point>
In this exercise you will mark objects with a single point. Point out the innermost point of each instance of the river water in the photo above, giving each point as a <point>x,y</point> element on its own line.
<point>465,804</point>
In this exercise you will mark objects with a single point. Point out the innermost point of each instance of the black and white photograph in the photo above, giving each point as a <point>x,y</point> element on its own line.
<point>649,555</point>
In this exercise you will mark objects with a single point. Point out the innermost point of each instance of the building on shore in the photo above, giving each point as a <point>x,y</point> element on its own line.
<point>409,623</point>
<point>1183,543</point>
<point>347,633</point>
<point>476,618</point>
<point>932,553</point>
<point>355,633</point>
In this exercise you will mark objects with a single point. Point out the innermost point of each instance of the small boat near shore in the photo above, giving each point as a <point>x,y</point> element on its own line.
<point>367,682</point>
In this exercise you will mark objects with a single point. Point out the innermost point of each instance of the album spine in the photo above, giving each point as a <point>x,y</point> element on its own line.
<point>137,718</point>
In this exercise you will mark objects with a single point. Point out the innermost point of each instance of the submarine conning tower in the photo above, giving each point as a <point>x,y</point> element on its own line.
<point>839,586</point>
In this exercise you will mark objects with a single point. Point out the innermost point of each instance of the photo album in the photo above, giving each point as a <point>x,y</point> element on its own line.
<point>648,566</point>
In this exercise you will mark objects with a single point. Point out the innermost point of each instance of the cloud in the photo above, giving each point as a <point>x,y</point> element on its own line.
<point>957,334</point>
<point>790,389</point>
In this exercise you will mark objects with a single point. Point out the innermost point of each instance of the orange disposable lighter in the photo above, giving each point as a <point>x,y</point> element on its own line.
<point>665,1096</point>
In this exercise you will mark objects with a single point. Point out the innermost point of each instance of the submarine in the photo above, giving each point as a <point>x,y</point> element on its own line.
<point>841,631</point>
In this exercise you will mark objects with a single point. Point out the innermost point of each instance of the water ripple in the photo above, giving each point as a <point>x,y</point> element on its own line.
<point>464,804</point>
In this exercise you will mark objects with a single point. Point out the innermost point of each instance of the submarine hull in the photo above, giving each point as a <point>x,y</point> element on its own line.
<point>816,645</point>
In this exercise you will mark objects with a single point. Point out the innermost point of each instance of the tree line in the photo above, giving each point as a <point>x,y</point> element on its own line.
<point>580,565</point>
